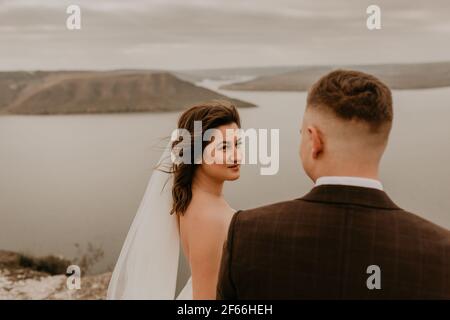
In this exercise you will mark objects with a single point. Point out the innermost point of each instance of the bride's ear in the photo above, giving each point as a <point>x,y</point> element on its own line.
<point>316,141</point>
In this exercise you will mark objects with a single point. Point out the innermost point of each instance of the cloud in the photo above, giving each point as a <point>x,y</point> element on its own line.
<point>118,33</point>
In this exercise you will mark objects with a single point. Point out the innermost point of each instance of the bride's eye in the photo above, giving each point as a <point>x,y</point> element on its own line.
<point>222,146</point>
<point>228,145</point>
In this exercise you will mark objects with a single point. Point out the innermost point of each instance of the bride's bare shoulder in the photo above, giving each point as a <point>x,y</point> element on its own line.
<point>204,228</point>
<point>197,212</point>
<point>209,216</point>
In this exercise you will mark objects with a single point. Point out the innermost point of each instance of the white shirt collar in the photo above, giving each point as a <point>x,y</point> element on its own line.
<point>350,181</point>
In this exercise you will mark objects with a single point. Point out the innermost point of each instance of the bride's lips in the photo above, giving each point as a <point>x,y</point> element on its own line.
<point>234,166</point>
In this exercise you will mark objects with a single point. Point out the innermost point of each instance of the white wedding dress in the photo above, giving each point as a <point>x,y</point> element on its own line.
<point>147,267</point>
<point>186,292</point>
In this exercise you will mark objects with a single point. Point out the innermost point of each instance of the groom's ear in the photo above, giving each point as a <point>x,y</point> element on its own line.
<point>316,141</point>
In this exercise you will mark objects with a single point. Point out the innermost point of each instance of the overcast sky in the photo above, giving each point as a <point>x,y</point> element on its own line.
<point>187,34</point>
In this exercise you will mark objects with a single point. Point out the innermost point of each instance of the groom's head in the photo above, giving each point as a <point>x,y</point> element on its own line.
<point>346,125</point>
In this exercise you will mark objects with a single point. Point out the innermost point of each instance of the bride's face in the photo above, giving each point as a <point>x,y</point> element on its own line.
<point>222,157</point>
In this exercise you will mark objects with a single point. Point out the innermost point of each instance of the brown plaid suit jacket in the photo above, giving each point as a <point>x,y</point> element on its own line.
<point>319,247</point>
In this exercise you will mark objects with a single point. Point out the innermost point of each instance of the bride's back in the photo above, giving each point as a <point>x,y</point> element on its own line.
<point>206,220</point>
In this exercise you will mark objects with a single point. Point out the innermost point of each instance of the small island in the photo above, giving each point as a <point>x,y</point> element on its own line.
<point>78,92</point>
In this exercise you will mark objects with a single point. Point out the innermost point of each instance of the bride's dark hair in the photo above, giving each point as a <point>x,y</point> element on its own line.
<point>212,114</point>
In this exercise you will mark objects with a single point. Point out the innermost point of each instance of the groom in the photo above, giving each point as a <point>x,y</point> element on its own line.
<point>345,239</point>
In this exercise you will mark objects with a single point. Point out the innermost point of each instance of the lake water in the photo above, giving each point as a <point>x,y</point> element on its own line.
<point>79,179</point>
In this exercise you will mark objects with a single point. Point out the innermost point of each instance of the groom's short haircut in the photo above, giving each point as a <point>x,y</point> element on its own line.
<point>354,95</point>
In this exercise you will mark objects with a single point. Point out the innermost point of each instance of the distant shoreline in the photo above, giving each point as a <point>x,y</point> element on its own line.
<point>158,92</point>
<point>402,76</point>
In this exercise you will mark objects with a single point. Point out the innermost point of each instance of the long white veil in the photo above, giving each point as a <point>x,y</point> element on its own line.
<point>147,267</point>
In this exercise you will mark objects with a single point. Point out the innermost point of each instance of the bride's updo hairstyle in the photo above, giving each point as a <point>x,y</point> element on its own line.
<point>212,114</point>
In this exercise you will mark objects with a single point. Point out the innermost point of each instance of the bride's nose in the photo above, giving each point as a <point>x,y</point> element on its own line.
<point>235,156</point>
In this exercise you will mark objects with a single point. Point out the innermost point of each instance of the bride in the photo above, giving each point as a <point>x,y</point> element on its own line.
<point>183,204</point>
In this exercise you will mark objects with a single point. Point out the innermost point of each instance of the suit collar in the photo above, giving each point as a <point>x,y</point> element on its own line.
<point>350,181</point>
<point>340,194</point>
